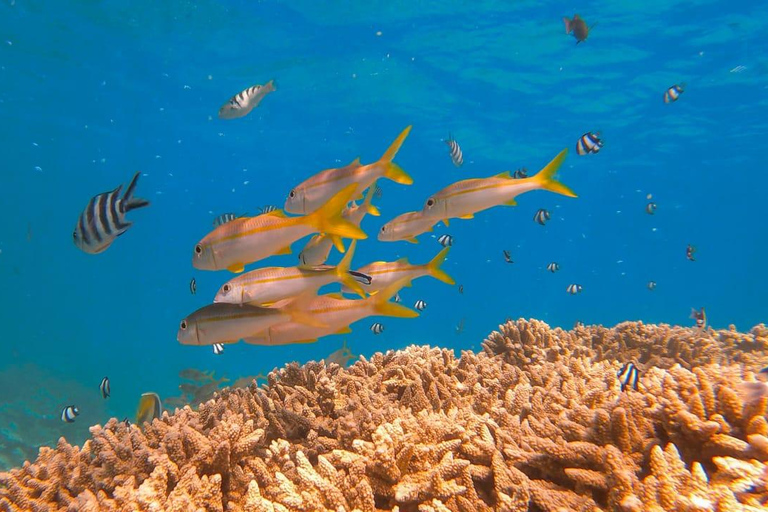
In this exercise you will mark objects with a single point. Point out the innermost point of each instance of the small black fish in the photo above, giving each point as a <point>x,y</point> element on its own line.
<point>69,413</point>
<point>377,328</point>
<point>553,267</point>
<point>573,289</point>
<point>628,376</point>
<point>507,256</point>
<point>650,208</point>
<point>578,26</point>
<point>672,94</point>
<point>589,143</point>
<point>455,151</point>
<point>520,174</point>
<point>700,316</point>
<point>126,422</point>
<point>689,252</point>
<point>541,217</point>
<point>193,286</point>
<point>104,387</point>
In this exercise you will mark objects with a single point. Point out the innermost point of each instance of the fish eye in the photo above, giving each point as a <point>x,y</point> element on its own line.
<point>198,249</point>
<point>74,235</point>
<point>430,202</point>
<point>183,325</point>
<point>226,288</point>
<point>383,228</point>
<point>292,194</point>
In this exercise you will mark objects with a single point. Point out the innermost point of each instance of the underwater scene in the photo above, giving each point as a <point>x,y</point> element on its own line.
<point>384,256</point>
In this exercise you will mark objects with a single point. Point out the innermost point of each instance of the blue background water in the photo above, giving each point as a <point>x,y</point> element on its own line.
<point>92,91</point>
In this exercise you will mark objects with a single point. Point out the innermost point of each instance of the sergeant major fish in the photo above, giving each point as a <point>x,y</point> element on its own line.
<point>542,216</point>
<point>672,94</point>
<point>103,220</point>
<point>455,151</point>
<point>589,143</point>
<point>573,289</point>
<point>553,267</point>
<point>628,376</point>
<point>69,413</point>
<point>104,388</point>
<point>241,104</point>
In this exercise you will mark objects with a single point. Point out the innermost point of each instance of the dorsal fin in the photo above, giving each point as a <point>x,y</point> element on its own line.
<point>504,174</point>
<point>356,161</point>
<point>403,260</point>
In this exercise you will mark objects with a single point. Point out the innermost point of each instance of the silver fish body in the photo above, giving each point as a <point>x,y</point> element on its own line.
<point>241,104</point>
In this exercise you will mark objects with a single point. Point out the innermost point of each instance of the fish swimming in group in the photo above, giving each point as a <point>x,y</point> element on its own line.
<point>628,376</point>
<point>377,328</point>
<point>104,388</point>
<point>507,256</point>
<point>650,208</point>
<point>420,305</point>
<point>406,226</point>
<point>249,239</point>
<point>224,218</point>
<point>573,289</point>
<point>196,375</point>
<point>651,285</point>
<point>465,198</point>
<point>193,286</point>
<point>672,94</point>
<point>455,151</point>
<point>103,220</point>
<point>317,250</point>
<point>553,267</point>
<point>268,208</point>
<point>315,191</point>
<point>397,298</point>
<point>241,104</point>
<point>218,349</point>
<point>69,413</point>
<point>520,174</point>
<point>589,143</point>
<point>542,216</point>
<point>578,26</point>
<point>689,252</point>
<point>700,316</point>
<point>445,240</point>
<point>268,285</point>
<point>149,408</point>
<point>384,273</point>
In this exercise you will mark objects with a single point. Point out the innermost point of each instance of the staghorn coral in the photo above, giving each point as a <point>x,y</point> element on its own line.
<point>535,422</point>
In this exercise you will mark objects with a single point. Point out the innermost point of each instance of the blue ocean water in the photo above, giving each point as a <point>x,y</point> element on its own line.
<point>93,91</point>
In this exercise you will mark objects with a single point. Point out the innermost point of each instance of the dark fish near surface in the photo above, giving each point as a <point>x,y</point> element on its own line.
<point>700,316</point>
<point>455,151</point>
<point>193,286</point>
<point>651,285</point>
<point>689,252</point>
<point>573,289</point>
<point>69,413</point>
<point>507,256</point>
<point>218,348</point>
<point>650,208</point>
<point>673,93</point>
<point>420,305</point>
<point>578,26</point>
<point>445,240</point>
<point>149,408</point>
<point>104,387</point>
<point>589,143</point>
<point>520,174</point>
<point>542,216</point>
<point>103,220</point>
<point>628,376</point>
<point>553,267</point>
<point>241,104</point>
<point>377,328</point>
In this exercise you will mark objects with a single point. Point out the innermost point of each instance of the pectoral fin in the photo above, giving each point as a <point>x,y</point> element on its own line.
<point>236,268</point>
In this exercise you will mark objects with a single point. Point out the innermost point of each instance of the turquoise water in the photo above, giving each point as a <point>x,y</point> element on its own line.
<point>93,91</point>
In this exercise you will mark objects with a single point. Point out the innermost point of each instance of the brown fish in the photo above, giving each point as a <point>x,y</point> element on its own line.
<point>578,26</point>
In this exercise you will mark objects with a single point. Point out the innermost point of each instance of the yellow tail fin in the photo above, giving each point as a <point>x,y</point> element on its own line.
<point>434,267</point>
<point>545,178</point>
<point>342,270</point>
<point>368,204</point>
<point>328,219</point>
<point>393,171</point>
<point>298,309</point>
<point>383,307</point>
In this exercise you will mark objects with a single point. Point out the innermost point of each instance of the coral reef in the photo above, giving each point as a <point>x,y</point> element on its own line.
<point>536,421</point>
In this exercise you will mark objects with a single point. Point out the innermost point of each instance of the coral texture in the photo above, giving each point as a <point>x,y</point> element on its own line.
<point>536,421</point>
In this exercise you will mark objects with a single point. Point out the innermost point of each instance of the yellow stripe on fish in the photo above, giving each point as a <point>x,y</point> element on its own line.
<point>313,192</point>
<point>242,241</point>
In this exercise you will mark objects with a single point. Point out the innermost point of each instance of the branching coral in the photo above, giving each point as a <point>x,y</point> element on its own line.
<point>537,421</point>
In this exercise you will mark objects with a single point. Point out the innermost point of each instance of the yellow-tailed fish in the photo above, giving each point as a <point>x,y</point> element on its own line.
<point>233,245</point>
<point>465,198</point>
<point>229,323</point>
<point>149,408</point>
<point>337,313</point>
<point>318,248</point>
<point>384,273</point>
<point>406,227</point>
<point>312,193</point>
<point>271,284</point>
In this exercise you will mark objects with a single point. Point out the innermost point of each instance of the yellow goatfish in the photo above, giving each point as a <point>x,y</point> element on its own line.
<point>318,248</point>
<point>244,240</point>
<point>312,193</point>
<point>149,408</point>
<point>406,227</point>
<point>384,273</point>
<point>271,284</point>
<point>465,198</point>
<point>337,313</point>
<point>229,323</point>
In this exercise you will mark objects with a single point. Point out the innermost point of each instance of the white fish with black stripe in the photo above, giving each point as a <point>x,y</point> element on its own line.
<point>103,220</point>
<point>241,104</point>
<point>542,216</point>
<point>223,219</point>
<point>628,376</point>
<point>455,151</point>
<point>589,143</point>
<point>69,413</point>
<point>573,289</point>
<point>553,267</point>
<point>420,305</point>
<point>445,240</point>
<point>377,328</point>
<point>218,348</point>
<point>397,298</point>
<point>104,388</point>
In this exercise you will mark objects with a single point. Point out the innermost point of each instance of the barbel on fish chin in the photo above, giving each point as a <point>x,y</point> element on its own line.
<point>246,240</point>
<point>103,220</point>
<point>241,104</point>
<point>465,198</point>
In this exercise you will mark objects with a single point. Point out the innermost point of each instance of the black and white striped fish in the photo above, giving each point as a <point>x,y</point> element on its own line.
<point>673,93</point>
<point>268,208</point>
<point>193,286</point>
<point>573,289</point>
<point>69,413</point>
<point>650,208</point>
<point>103,220</point>
<point>445,240</point>
<point>455,151</point>
<point>377,192</point>
<point>520,174</point>
<point>218,348</point>
<point>242,103</point>
<point>628,376</point>
<point>589,143</point>
<point>461,289</point>
<point>420,305</point>
<point>361,278</point>
<point>689,252</point>
<point>223,219</point>
<point>507,256</point>
<point>553,267</point>
<point>104,387</point>
<point>542,216</point>
<point>397,298</point>
<point>651,285</point>
<point>377,328</point>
